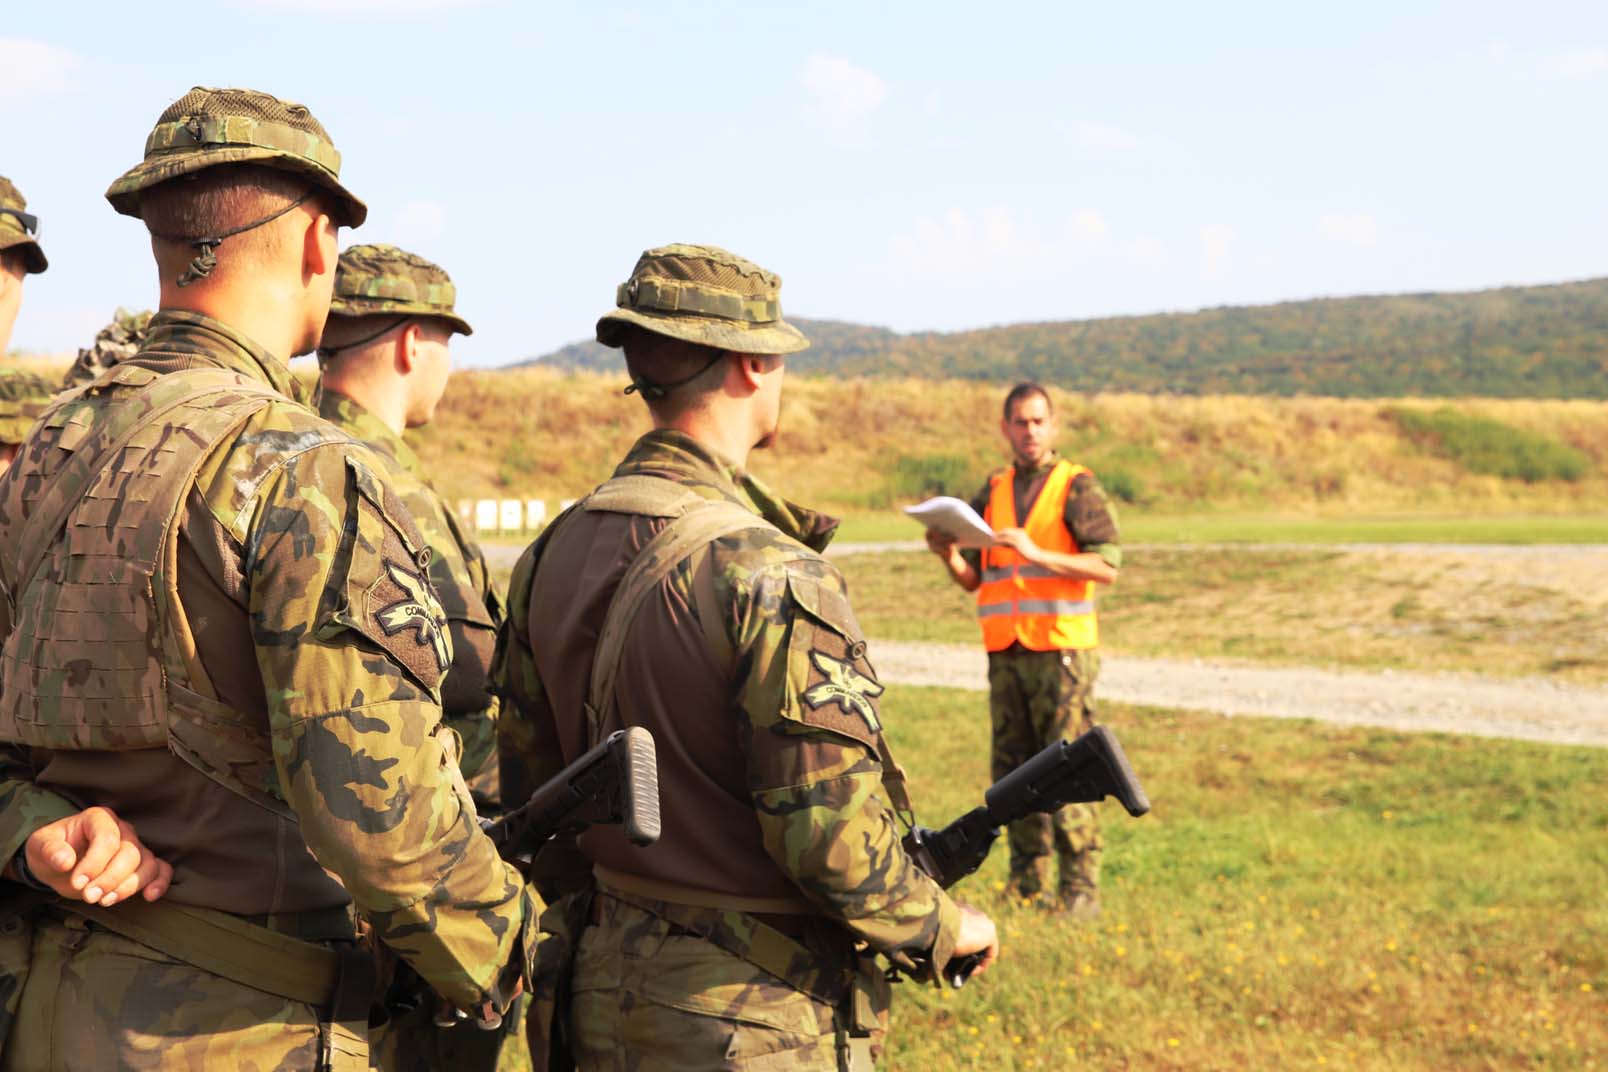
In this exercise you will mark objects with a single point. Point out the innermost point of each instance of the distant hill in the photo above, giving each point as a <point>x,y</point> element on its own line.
<point>1514,342</point>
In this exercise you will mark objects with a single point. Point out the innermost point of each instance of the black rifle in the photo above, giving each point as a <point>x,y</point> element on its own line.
<point>1084,771</point>
<point>615,782</point>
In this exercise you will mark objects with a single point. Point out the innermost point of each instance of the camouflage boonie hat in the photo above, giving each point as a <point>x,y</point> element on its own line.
<point>704,295</point>
<point>207,127</point>
<point>16,232</point>
<point>23,397</point>
<point>379,280</point>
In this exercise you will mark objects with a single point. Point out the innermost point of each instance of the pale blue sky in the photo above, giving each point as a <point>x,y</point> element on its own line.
<point>915,165</point>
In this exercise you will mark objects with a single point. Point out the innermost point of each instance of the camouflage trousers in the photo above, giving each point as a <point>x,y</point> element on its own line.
<point>1035,698</point>
<point>646,997</point>
<point>95,1000</point>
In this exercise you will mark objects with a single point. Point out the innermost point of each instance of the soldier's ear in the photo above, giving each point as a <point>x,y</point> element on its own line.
<point>321,247</point>
<point>407,347</point>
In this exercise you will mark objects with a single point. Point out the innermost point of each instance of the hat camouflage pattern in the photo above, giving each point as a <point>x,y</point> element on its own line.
<point>703,295</point>
<point>12,232</point>
<point>24,396</point>
<point>207,127</point>
<point>380,280</point>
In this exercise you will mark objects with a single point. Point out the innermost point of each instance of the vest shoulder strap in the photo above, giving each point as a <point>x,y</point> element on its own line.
<point>698,523</point>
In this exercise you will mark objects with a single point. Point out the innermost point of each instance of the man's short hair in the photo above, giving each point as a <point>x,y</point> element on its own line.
<point>210,202</point>
<point>1025,390</point>
<point>13,261</point>
<point>659,359</point>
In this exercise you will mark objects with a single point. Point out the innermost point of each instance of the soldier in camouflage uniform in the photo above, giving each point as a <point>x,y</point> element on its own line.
<point>1056,538</point>
<point>385,364</point>
<point>115,342</point>
<point>20,255</point>
<point>684,597</point>
<point>23,394</point>
<point>218,624</point>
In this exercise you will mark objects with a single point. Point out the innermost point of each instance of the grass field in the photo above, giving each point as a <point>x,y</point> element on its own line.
<point>1142,527</point>
<point>1303,896</point>
<point>1480,613</point>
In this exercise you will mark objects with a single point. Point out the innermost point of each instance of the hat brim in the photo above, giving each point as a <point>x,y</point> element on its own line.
<point>33,258</point>
<point>124,194</point>
<point>343,307</point>
<point>776,337</point>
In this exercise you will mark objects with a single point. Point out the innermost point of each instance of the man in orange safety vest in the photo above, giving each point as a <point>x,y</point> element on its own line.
<point>1055,540</point>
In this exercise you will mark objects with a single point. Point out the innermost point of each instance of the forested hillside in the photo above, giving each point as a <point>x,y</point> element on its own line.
<point>1515,342</point>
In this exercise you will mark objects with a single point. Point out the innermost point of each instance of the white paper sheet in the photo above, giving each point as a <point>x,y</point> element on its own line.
<point>956,517</point>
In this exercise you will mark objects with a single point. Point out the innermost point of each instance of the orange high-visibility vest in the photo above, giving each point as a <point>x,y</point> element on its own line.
<point>1020,602</point>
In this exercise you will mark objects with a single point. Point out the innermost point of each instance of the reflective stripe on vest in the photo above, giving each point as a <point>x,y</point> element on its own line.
<point>1022,603</point>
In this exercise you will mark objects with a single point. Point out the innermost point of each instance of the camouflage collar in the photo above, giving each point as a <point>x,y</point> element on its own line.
<point>1043,467</point>
<point>200,340</point>
<point>665,452</point>
<point>350,416</point>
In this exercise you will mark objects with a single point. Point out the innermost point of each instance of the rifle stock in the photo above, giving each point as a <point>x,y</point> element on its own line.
<point>1084,771</point>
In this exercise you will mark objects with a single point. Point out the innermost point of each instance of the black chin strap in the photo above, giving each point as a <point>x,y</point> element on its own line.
<point>327,353</point>
<point>201,264</point>
<point>655,392</point>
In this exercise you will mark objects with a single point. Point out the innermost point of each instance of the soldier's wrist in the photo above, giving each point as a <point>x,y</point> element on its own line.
<point>24,874</point>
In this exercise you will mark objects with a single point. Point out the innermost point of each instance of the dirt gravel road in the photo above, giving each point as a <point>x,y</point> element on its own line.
<point>1529,709</point>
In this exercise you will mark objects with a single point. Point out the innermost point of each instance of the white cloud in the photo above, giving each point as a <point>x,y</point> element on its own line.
<point>841,92</point>
<point>1586,63</point>
<point>29,67</point>
<point>1104,139</point>
<point>422,219</point>
<point>1356,229</point>
<point>1145,252</point>
<point>1088,227</point>
<point>1216,247</point>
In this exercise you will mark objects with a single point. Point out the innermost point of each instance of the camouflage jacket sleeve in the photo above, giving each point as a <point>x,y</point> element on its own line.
<point>1092,520</point>
<point>351,644</point>
<point>24,807</point>
<point>527,740</point>
<point>810,700</point>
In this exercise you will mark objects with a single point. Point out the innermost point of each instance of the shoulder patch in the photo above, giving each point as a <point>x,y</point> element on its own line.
<point>382,589</point>
<point>835,685</point>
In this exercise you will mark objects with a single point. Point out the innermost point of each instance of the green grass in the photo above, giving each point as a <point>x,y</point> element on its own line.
<point>1483,445</point>
<point>1302,896</point>
<point>1138,527</point>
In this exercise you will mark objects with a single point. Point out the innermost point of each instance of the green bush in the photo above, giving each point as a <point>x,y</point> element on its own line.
<point>920,476</point>
<point>1123,484</point>
<point>1482,445</point>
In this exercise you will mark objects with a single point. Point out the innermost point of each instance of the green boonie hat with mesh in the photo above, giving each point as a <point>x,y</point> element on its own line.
<point>704,295</point>
<point>378,280</point>
<point>23,397</point>
<point>18,229</point>
<point>207,127</point>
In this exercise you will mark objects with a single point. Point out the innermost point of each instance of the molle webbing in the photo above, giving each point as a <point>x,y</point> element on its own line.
<point>671,296</point>
<point>97,657</point>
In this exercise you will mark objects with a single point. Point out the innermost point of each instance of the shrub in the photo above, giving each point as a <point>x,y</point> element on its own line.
<point>1482,445</point>
<point>920,476</point>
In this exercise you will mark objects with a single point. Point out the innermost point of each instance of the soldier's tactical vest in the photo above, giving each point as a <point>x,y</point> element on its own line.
<point>101,655</point>
<point>1018,602</point>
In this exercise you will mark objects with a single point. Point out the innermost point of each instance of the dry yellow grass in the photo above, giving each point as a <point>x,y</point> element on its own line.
<point>543,433</point>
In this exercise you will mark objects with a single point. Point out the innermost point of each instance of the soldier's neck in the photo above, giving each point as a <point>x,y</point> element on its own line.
<point>268,316</point>
<point>383,398</point>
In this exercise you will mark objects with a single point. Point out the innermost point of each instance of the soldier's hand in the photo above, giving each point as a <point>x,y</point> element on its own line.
<point>977,935</point>
<point>940,543</point>
<point>1017,540</point>
<point>95,857</point>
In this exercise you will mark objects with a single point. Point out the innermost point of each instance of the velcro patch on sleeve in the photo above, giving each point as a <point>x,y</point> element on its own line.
<point>833,683</point>
<point>383,588</point>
